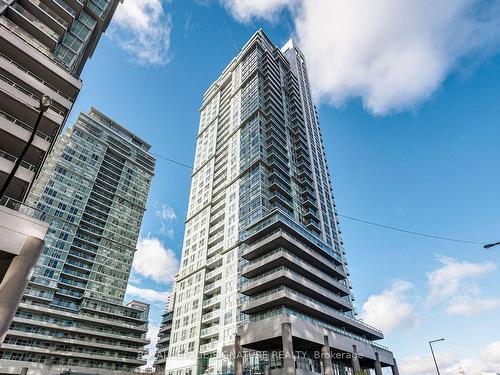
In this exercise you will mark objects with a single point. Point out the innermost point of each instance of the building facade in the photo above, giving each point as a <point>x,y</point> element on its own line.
<point>263,285</point>
<point>164,336</point>
<point>94,186</point>
<point>44,45</point>
<point>22,230</point>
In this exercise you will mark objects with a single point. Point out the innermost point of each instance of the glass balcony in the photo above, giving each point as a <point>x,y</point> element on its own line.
<point>212,287</point>
<point>24,209</point>
<point>50,13</point>
<point>211,301</point>
<point>212,274</point>
<point>36,23</point>
<point>213,315</point>
<point>23,125</point>
<point>211,346</point>
<point>66,7</point>
<point>278,216</point>
<point>319,276</point>
<point>210,331</point>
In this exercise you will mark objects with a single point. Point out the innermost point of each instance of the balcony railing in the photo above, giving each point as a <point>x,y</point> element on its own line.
<point>210,330</point>
<point>18,31</point>
<point>298,243</point>
<point>50,13</point>
<point>212,286</point>
<point>211,315</point>
<point>247,264</point>
<point>23,125</point>
<point>307,318</point>
<point>43,82</point>
<point>66,7</point>
<point>210,274</point>
<point>27,92</point>
<point>297,277</point>
<point>210,346</point>
<point>13,159</point>
<point>279,216</point>
<point>323,306</point>
<point>36,22</point>
<point>23,208</point>
<point>211,301</point>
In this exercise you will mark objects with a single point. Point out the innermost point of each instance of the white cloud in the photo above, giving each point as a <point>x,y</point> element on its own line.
<point>142,28</point>
<point>153,260</point>
<point>453,278</point>
<point>392,54</point>
<point>147,295</point>
<point>491,354</point>
<point>167,215</point>
<point>469,305</point>
<point>134,278</point>
<point>167,230</point>
<point>424,365</point>
<point>245,10</point>
<point>166,212</point>
<point>392,308</point>
<point>450,363</point>
<point>488,361</point>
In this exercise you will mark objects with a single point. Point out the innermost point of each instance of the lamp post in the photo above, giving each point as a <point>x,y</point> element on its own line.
<point>490,245</point>
<point>433,356</point>
<point>43,106</point>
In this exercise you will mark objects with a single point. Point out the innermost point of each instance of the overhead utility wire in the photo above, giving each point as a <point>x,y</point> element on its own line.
<point>364,221</point>
<point>351,217</point>
<point>410,231</point>
<point>171,160</point>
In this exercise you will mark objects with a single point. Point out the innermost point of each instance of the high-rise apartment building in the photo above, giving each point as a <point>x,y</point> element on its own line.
<point>44,45</point>
<point>94,186</point>
<point>164,335</point>
<point>263,272</point>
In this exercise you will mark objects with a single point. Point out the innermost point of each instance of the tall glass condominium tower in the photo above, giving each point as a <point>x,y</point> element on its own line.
<point>94,186</point>
<point>263,270</point>
<point>44,45</point>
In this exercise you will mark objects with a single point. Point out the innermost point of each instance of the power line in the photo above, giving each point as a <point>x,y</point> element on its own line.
<point>410,231</point>
<point>442,238</point>
<point>346,216</point>
<point>172,160</point>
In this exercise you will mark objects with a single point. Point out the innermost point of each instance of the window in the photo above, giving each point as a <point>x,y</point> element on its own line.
<point>66,56</point>
<point>80,30</point>
<point>48,273</point>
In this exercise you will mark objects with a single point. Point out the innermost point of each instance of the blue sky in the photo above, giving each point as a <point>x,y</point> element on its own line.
<point>410,116</point>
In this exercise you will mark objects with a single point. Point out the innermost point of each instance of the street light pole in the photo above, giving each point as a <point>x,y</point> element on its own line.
<point>45,103</point>
<point>490,245</point>
<point>433,356</point>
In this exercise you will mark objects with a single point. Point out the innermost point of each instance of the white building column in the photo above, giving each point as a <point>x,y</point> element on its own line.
<point>326,358</point>
<point>378,366</point>
<point>238,356</point>
<point>15,281</point>
<point>356,367</point>
<point>394,367</point>
<point>288,358</point>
